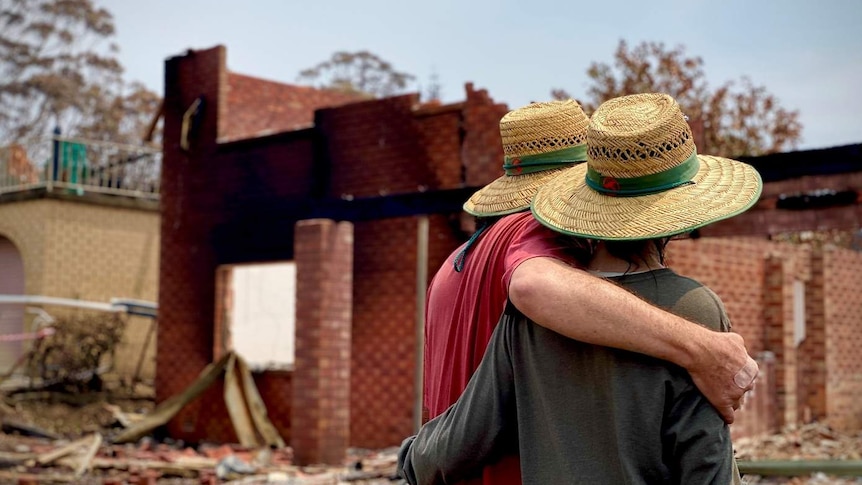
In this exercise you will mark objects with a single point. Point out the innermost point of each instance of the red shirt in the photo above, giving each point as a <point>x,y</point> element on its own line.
<point>463,308</point>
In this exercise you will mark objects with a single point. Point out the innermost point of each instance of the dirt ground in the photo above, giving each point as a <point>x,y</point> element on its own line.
<point>39,424</point>
<point>149,462</point>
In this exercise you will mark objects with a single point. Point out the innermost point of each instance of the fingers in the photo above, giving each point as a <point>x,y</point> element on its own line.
<point>737,405</point>
<point>745,377</point>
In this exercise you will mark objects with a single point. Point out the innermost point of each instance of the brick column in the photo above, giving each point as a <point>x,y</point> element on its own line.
<point>320,407</point>
<point>779,338</point>
<point>812,352</point>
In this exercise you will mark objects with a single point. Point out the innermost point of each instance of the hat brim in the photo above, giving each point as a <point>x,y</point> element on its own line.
<point>508,194</point>
<point>722,188</point>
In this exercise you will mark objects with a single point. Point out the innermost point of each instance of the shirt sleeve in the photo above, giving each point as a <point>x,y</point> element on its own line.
<point>725,324</point>
<point>479,427</point>
<point>534,240</point>
<point>698,441</point>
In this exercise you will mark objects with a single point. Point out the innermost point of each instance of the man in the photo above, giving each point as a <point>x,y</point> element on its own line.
<point>588,414</point>
<point>516,257</point>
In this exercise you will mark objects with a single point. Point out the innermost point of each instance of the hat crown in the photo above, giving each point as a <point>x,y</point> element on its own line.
<point>543,127</point>
<point>637,135</point>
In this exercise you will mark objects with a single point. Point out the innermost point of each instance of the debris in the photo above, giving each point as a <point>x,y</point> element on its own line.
<point>245,406</point>
<point>57,453</point>
<point>8,460</point>
<point>71,357</point>
<point>124,419</point>
<point>232,465</point>
<point>170,407</point>
<point>14,427</point>
<point>814,442</point>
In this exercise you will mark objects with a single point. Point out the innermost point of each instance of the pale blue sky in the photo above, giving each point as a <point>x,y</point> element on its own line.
<point>807,53</point>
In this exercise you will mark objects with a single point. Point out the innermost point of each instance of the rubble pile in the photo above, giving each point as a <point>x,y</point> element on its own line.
<point>52,435</point>
<point>56,436</point>
<point>91,461</point>
<point>815,441</point>
<point>810,442</point>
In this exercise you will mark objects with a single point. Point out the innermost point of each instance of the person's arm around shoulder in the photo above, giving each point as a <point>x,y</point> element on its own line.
<point>586,308</point>
<point>477,428</point>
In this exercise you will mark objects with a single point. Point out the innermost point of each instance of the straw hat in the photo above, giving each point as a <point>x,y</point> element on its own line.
<point>539,140</point>
<point>643,178</point>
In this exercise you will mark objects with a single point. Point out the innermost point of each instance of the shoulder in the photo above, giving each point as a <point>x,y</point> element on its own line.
<point>697,302</point>
<point>683,296</point>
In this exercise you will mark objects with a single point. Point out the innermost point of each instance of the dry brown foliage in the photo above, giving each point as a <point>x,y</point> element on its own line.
<point>72,358</point>
<point>736,118</point>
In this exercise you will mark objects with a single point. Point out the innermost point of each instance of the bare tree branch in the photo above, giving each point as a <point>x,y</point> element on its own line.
<point>59,68</point>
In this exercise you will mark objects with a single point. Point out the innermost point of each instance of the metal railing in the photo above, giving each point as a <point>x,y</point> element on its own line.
<point>80,166</point>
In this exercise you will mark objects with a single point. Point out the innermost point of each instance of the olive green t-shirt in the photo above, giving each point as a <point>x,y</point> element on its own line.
<point>580,413</point>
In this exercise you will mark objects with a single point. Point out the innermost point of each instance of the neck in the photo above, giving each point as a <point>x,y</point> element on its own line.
<point>603,260</point>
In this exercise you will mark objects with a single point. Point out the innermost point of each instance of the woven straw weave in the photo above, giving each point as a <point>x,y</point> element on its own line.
<point>638,135</point>
<point>543,127</point>
<point>631,137</point>
<point>533,129</point>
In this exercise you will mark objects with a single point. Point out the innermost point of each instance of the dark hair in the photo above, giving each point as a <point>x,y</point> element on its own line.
<point>637,253</point>
<point>578,248</point>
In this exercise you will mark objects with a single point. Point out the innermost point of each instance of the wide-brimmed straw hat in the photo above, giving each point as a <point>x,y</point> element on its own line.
<point>539,140</point>
<point>643,178</point>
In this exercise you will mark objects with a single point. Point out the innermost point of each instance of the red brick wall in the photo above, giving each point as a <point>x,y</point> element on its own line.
<point>220,204</point>
<point>439,133</point>
<point>482,151</point>
<point>239,202</point>
<point>754,279</point>
<point>188,260</point>
<point>812,350</point>
<point>320,408</point>
<point>735,270</point>
<point>384,332</point>
<point>764,219</point>
<point>779,336</point>
<point>257,107</point>
<point>843,307</point>
<point>757,415</point>
<point>375,149</point>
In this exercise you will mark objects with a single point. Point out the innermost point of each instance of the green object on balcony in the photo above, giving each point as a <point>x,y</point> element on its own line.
<point>73,162</point>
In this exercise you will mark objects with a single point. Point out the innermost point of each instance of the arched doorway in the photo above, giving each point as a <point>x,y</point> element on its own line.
<point>11,315</point>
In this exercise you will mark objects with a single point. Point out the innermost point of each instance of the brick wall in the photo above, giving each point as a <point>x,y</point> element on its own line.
<point>236,202</point>
<point>384,293</point>
<point>189,208</point>
<point>21,222</point>
<point>258,107</point>
<point>765,220</point>
<point>482,150</point>
<point>89,251</point>
<point>843,308</point>
<point>812,350</point>
<point>819,378</point>
<point>440,136</point>
<point>374,148</point>
<point>239,201</point>
<point>735,270</point>
<point>779,337</point>
<point>757,414</point>
<point>321,405</point>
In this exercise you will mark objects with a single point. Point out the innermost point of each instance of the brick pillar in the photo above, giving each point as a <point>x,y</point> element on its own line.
<point>812,352</point>
<point>320,407</point>
<point>779,338</point>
